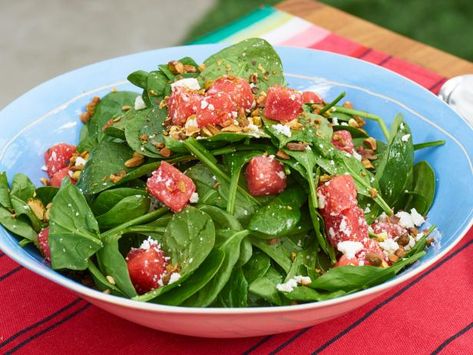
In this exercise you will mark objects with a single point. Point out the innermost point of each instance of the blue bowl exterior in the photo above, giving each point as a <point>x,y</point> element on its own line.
<point>48,114</point>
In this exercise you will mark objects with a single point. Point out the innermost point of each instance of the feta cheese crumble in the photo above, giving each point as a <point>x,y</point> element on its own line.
<point>149,243</point>
<point>139,103</point>
<point>194,198</point>
<point>188,83</point>
<point>175,276</point>
<point>282,129</point>
<point>349,248</point>
<point>405,138</point>
<point>291,284</point>
<point>389,246</point>
<point>410,220</point>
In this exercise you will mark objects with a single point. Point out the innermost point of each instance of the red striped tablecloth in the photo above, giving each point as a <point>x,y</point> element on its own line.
<point>433,313</point>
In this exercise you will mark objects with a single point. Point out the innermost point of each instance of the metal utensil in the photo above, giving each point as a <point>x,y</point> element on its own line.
<point>458,93</point>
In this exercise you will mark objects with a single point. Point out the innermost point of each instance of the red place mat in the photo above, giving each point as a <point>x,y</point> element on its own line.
<point>433,313</point>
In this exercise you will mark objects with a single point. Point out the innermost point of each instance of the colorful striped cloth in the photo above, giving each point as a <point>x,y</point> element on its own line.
<point>433,313</point>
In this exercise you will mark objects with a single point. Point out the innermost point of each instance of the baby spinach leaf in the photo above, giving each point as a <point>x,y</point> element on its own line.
<point>265,287</point>
<point>245,58</point>
<point>106,200</point>
<point>22,187</point>
<point>73,230</point>
<point>279,217</point>
<point>221,219</point>
<point>110,106</point>
<point>349,278</point>
<point>246,251</point>
<point>106,159</point>
<point>355,132</point>
<point>207,270</point>
<point>112,263</point>
<point>307,159</point>
<point>126,209</point>
<point>189,238</point>
<point>307,294</point>
<point>315,128</point>
<point>4,191</point>
<point>100,281</point>
<point>138,78</point>
<point>157,84</point>
<point>276,251</point>
<point>258,265</point>
<point>18,226</point>
<point>143,131</point>
<point>235,292</point>
<point>46,194</point>
<point>422,194</point>
<point>208,294</point>
<point>396,163</point>
<point>21,208</point>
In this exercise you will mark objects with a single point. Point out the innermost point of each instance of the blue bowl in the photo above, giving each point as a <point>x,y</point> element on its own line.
<point>49,114</point>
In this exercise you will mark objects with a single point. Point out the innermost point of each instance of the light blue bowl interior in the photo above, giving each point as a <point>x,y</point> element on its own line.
<point>49,114</point>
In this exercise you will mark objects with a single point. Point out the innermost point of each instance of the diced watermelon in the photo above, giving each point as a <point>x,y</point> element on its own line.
<point>337,194</point>
<point>43,243</point>
<point>265,176</point>
<point>282,104</point>
<point>57,157</point>
<point>384,225</point>
<point>146,266</point>
<point>181,104</point>
<point>344,261</point>
<point>216,109</point>
<point>171,187</point>
<point>57,178</point>
<point>342,141</point>
<point>310,97</point>
<point>349,224</point>
<point>238,89</point>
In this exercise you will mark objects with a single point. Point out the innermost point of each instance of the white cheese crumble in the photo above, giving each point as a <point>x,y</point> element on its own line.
<point>389,246</point>
<point>188,83</point>
<point>405,137</point>
<point>321,201</point>
<point>349,248</point>
<point>410,220</point>
<point>356,155</point>
<point>291,284</point>
<point>80,161</point>
<point>175,276</point>
<point>139,103</point>
<point>149,243</point>
<point>282,129</point>
<point>194,198</point>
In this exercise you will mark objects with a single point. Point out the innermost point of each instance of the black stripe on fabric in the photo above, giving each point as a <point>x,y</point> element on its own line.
<point>452,338</point>
<point>368,50</point>
<point>258,344</point>
<point>40,322</point>
<point>289,341</point>
<point>11,272</point>
<point>388,300</point>
<point>51,327</point>
<point>385,60</point>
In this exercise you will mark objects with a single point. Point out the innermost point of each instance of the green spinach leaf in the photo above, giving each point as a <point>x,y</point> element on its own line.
<point>73,230</point>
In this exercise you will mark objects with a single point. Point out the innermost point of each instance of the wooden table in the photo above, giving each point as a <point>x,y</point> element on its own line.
<point>376,37</point>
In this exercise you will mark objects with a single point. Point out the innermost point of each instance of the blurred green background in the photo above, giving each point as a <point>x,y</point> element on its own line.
<point>445,24</point>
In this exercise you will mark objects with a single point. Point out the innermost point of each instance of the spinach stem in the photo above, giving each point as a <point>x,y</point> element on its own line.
<point>428,144</point>
<point>143,229</point>
<point>195,148</point>
<point>332,104</point>
<point>149,217</point>
<point>232,192</point>
<point>367,115</point>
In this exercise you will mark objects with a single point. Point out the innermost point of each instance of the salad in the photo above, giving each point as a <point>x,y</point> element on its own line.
<point>218,185</point>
